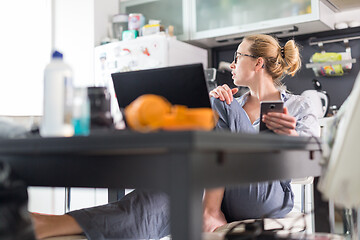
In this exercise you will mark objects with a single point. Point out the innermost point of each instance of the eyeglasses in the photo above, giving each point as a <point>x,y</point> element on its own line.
<point>237,54</point>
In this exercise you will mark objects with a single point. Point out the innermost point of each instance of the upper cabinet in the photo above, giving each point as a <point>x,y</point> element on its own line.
<point>341,5</point>
<point>224,22</point>
<point>170,12</point>
<point>211,23</point>
<point>230,14</point>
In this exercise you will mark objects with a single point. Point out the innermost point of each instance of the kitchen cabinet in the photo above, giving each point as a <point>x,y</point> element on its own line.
<point>217,23</point>
<point>213,14</point>
<point>341,5</point>
<point>211,23</point>
<point>170,12</point>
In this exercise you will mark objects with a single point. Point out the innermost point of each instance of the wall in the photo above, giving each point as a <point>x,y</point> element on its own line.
<point>24,52</point>
<point>338,88</point>
<point>104,10</point>
<point>79,26</point>
<point>26,46</point>
<point>74,37</point>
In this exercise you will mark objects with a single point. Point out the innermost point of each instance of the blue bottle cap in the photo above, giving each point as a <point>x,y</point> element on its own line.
<point>57,54</point>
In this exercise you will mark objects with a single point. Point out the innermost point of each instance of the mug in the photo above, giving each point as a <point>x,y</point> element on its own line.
<point>100,115</point>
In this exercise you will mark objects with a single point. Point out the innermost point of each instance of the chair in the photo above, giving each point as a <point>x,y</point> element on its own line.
<point>305,183</point>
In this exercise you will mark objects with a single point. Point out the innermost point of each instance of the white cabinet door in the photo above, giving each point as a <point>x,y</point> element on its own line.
<point>213,14</point>
<point>212,23</point>
<point>221,22</point>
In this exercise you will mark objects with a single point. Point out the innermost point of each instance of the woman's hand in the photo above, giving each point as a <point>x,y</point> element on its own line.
<point>281,123</point>
<point>224,93</point>
<point>212,220</point>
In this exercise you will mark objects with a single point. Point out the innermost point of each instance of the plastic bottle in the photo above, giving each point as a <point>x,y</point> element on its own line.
<point>81,112</point>
<point>57,110</point>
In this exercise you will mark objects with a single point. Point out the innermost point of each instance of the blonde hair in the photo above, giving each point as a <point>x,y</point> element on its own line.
<point>279,61</point>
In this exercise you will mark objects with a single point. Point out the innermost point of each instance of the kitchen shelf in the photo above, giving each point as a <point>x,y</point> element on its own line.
<point>321,43</point>
<point>313,41</point>
<point>323,64</point>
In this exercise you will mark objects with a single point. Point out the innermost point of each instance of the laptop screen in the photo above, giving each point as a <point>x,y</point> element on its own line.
<point>181,85</point>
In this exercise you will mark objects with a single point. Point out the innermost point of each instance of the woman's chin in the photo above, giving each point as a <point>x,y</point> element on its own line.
<point>236,83</point>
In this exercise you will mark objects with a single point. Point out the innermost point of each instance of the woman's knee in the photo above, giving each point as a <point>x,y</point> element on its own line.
<point>256,201</point>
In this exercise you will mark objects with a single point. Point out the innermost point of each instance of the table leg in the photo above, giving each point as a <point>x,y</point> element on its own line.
<point>321,211</point>
<point>185,199</point>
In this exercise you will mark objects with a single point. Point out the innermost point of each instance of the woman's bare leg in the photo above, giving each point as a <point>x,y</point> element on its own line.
<point>54,225</point>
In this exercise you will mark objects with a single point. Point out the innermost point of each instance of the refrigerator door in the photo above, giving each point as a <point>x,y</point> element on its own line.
<point>138,54</point>
<point>181,53</point>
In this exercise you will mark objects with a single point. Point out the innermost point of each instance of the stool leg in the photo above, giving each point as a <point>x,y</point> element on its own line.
<point>354,224</point>
<point>303,198</point>
<point>332,216</point>
<point>350,223</point>
<point>358,223</point>
<point>67,199</point>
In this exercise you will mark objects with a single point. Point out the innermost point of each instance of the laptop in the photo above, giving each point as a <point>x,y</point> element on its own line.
<point>181,85</point>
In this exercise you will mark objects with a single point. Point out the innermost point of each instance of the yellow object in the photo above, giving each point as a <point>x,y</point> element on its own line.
<point>150,29</point>
<point>329,70</point>
<point>308,9</point>
<point>151,112</point>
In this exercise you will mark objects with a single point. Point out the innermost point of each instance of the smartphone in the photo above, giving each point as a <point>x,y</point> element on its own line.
<point>266,107</point>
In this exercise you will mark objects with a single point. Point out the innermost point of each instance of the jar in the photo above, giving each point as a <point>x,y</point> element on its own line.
<point>100,115</point>
<point>120,24</point>
<point>136,21</point>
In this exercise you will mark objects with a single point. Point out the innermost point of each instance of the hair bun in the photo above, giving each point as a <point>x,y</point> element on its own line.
<point>279,61</point>
<point>292,57</point>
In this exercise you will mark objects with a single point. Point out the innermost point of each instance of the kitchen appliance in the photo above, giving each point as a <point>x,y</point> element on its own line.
<point>318,98</point>
<point>148,52</point>
<point>120,24</point>
<point>210,76</point>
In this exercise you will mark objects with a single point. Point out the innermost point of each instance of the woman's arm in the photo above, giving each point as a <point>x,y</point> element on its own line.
<point>213,217</point>
<point>303,122</point>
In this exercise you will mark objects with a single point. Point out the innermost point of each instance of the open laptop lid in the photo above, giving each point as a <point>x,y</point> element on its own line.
<point>182,85</point>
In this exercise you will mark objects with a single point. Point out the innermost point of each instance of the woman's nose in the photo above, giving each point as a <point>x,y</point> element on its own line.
<point>232,65</point>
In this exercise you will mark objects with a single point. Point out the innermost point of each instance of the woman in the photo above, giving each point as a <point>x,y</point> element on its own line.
<point>259,63</point>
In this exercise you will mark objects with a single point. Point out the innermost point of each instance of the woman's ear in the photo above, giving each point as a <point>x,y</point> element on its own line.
<point>259,64</point>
